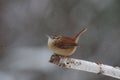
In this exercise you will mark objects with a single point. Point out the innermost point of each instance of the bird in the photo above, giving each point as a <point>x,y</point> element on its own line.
<point>63,45</point>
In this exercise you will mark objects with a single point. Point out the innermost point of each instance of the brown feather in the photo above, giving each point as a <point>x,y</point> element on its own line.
<point>76,37</point>
<point>65,43</point>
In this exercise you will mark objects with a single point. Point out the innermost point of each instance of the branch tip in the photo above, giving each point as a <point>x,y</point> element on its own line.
<point>83,65</point>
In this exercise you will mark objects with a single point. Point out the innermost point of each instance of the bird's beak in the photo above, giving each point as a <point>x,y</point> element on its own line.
<point>49,37</point>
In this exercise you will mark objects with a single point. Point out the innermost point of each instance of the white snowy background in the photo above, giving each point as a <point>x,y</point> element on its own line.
<point>24,54</point>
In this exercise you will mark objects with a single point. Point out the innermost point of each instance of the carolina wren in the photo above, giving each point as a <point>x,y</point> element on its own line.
<point>62,45</point>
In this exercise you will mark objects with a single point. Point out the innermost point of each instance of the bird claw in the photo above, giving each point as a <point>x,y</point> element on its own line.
<point>55,59</point>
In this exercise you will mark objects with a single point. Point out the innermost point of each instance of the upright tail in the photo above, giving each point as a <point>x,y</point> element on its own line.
<point>77,36</point>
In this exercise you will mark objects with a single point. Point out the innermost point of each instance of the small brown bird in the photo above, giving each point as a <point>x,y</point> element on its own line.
<point>62,45</point>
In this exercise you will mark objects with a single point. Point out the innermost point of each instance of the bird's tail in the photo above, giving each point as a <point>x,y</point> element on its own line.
<point>77,36</point>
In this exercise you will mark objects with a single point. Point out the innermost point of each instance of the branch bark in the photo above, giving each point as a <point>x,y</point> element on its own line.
<point>83,65</point>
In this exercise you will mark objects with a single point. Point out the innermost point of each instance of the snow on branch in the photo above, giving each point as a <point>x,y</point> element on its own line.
<point>83,65</point>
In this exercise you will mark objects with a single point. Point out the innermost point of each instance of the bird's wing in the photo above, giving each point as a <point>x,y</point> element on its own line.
<point>66,44</point>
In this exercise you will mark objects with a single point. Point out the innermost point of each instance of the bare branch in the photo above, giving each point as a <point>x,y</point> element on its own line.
<point>83,65</point>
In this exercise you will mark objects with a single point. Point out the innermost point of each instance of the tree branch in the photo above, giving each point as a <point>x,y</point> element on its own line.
<point>83,65</point>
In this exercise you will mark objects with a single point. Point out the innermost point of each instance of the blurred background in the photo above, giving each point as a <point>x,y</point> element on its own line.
<point>24,54</point>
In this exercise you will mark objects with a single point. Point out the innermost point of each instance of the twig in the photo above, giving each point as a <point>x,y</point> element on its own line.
<point>83,65</point>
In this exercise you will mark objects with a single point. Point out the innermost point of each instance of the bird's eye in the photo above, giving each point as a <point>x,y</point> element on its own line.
<point>56,37</point>
<point>53,37</point>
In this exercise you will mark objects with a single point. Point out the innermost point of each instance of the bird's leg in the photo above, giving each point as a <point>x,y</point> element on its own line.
<point>63,64</point>
<point>55,58</point>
